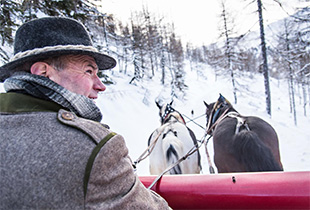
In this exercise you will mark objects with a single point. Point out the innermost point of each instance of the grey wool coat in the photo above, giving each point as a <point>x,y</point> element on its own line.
<point>52,159</point>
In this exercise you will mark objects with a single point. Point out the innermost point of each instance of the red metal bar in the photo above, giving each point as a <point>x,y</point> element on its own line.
<point>268,190</point>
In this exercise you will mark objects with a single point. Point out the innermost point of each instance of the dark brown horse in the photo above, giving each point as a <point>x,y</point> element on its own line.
<point>241,143</point>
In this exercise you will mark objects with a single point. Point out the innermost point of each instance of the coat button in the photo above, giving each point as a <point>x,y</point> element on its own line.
<point>67,116</point>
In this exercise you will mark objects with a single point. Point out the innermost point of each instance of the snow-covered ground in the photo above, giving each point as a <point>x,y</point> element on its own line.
<point>130,110</point>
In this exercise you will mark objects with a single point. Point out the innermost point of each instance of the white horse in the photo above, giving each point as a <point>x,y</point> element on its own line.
<point>171,142</point>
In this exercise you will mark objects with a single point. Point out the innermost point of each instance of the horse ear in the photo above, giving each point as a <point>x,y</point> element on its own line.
<point>209,106</point>
<point>158,105</point>
<point>221,98</point>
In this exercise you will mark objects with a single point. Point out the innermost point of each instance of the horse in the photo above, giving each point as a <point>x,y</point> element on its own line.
<point>241,143</point>
<point>171,141</point>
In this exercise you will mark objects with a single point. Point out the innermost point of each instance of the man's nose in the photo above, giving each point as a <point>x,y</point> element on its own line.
<point>98,85</point>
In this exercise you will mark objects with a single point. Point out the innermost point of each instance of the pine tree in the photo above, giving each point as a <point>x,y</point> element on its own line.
<point>9,14</point>
<point>177,59</point>
<point>228,48</point>
<point>138,51</point>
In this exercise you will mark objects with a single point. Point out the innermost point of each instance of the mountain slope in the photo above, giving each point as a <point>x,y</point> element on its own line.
<point>131,111</point>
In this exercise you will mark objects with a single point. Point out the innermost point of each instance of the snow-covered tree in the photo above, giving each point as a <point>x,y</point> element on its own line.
<point>10,12</point>
<point>227,32</point>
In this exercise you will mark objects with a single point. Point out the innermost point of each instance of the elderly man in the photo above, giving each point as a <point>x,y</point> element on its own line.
<point>55,153</point>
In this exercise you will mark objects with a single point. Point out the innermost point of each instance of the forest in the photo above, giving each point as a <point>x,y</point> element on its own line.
<point>149,45</point>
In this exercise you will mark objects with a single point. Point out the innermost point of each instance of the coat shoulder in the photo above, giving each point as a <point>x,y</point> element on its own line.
<point>92,128</point>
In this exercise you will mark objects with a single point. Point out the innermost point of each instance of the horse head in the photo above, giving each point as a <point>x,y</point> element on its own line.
<point>166,111</point>
<point>215,110</point>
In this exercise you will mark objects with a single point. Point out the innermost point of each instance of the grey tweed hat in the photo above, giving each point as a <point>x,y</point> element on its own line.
<point>49,37</point>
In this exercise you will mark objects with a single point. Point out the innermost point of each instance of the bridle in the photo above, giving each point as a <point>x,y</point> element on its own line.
<point>169,112</point>
<point>215,118</point>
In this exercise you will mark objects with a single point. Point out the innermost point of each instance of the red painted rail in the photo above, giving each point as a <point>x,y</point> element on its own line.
<point>268,190</point>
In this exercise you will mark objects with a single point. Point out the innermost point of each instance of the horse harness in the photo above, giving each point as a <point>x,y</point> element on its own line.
<point>241,122</point>
<point>168,113</point>
<point>214,119</point>
<point>164,119</point>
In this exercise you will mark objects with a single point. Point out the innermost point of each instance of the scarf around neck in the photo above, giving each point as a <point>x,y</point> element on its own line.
<point>44,88</point>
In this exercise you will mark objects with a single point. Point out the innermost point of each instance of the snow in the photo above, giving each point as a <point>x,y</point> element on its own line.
<point>130,111</point>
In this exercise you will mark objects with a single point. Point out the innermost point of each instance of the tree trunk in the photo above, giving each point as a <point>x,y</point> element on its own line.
<point>264,54</point>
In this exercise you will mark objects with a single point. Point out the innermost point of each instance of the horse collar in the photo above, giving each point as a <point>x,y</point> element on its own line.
<point>178,118</point>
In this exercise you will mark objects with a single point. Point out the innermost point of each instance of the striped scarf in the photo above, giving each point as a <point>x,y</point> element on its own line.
<point>44,88</point>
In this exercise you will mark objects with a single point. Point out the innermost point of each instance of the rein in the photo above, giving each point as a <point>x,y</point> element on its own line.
<point>240,121</point>
<point>211,126</point>
<point>189,153</point>
<point>150,148</point>
<point>212,123</point>
<point>209,131</point>
<point>192,120</point>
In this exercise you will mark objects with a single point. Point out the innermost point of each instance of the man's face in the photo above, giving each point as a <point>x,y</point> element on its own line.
<point>79,76</point>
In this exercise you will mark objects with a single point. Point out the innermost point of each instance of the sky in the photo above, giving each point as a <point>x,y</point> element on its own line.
<point>197,21</point>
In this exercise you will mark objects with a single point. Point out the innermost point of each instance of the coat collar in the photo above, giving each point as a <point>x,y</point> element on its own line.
<point>17,102</point>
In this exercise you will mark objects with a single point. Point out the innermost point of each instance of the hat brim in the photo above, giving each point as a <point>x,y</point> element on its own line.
<point>103,61</point>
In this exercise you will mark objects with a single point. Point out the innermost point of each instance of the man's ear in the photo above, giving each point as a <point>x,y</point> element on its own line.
<point>40,68</point>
